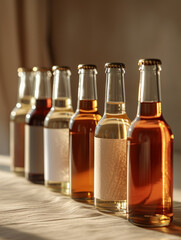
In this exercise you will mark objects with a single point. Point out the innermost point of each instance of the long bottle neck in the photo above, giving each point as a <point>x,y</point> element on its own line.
<point>115,91</point>
<point>61,90</point>
<point>87,91</point>
<point>25,89</point>
<point>42,89</point>
<point>149,99</point>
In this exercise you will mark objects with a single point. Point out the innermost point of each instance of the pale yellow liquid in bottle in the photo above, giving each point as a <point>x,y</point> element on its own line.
<point>58,118</point>
<point>113,125</point>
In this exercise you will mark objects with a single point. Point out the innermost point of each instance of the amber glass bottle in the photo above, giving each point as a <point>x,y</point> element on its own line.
<point>34,158</point>
<point>150,177</point>
<point>82,127</point>
<point>110,169</point>
<point>56,133</point>
<point>17,120</point>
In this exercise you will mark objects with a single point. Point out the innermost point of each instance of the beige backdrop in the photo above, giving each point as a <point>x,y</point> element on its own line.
<point>69,32</point>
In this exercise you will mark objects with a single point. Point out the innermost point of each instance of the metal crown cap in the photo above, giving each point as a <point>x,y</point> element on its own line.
<point>86,66</point>
<point>41,69</point>
<point>114,65</point>
<point>24,69</point>
<point>61,68</point>
<point>149,61</point>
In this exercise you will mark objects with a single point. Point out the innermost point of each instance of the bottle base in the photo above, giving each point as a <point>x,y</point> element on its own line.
<point>150,221</point>
<point>19,171</point>
<point>84,197</point>
<point>61,187</point>
<point>35,178</point>
<point>117,208</point>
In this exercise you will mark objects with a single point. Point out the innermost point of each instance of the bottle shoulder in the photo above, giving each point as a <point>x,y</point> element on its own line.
<point>36,116</point>
<point>58,118</point>
<point>113,126</point>
<point>82,119</point>
<point>154,125</point>
<point>19,112</point>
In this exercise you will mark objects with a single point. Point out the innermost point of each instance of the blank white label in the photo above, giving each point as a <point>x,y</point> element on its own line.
<point>56,146</point>
<point>110,169</point>
<point>34,162</point>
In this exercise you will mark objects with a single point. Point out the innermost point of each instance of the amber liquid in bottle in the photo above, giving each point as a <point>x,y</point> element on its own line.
<point>82,127</point>
<point>36,118</point>
<point>150,168</point>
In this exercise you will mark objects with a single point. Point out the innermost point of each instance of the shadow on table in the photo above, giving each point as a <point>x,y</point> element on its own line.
<point>175,227</point>
<point>10,233</point>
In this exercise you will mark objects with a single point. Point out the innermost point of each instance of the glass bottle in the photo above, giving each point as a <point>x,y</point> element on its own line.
<point>17,120</point>
<point>150,165</point>
<point>34,157</point>
<point>110,161</point>
<point>56,133</point>
<point>82,127</point>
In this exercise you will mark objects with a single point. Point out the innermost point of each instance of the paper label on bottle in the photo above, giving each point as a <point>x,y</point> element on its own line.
<point>17,144</point>
<point>34,159</point>
<point>56,146</point>
<point>110,169</point>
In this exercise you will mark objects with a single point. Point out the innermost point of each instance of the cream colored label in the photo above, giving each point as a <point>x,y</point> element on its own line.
<point>56,145</point>
<point>34,162</point>
<point>110,169</point>
<point>17,145</point>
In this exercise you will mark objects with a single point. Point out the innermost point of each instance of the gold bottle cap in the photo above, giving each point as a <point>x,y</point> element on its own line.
<point>61,68</point>
<point>114,65</point>
<point>24,69</point>
<point>86,66</point>
<point>149,61</point>
<point>41,69</point>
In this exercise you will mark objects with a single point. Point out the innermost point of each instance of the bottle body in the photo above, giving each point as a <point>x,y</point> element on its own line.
<point>56,134</point>
<point>17,123</point>
<point>34,155</point>
<point>110,174</point>
<point>82,127</point>
<point>17,120</point>
<point>150,166</point>
<point>111,163</point>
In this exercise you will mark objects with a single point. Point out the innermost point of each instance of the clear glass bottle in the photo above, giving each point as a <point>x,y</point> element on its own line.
<point>110,161</point>
<point>150,163</point>
<point>34,156</point>
<point>82,127</point>
<point>56,133</point>
<point>17,119</point>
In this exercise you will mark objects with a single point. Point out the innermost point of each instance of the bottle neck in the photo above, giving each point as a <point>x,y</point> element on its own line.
<point>25,89</point>
<point>87,90</point>
<point>42,88</point>
<point>149,99</point>
<point>61,90</point>
<point>115,91</point>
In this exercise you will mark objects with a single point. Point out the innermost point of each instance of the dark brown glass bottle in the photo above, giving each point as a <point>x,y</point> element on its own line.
<point>82,127</point>
<point>34,158</point>
<point>150,164</point>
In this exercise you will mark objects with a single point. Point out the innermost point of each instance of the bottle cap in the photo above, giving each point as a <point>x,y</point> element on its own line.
<point>61,68</point>
<point>114,65</point>
<point>149,61</point>
<point>24,69</point>
<point>86,66</point>
<point>41,69</point>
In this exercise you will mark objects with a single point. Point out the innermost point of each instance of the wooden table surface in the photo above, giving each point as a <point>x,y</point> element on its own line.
<point>29,211</point>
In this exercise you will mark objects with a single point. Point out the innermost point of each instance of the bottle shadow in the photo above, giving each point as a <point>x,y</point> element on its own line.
<point>7,233</point>
<point>175,227</point>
